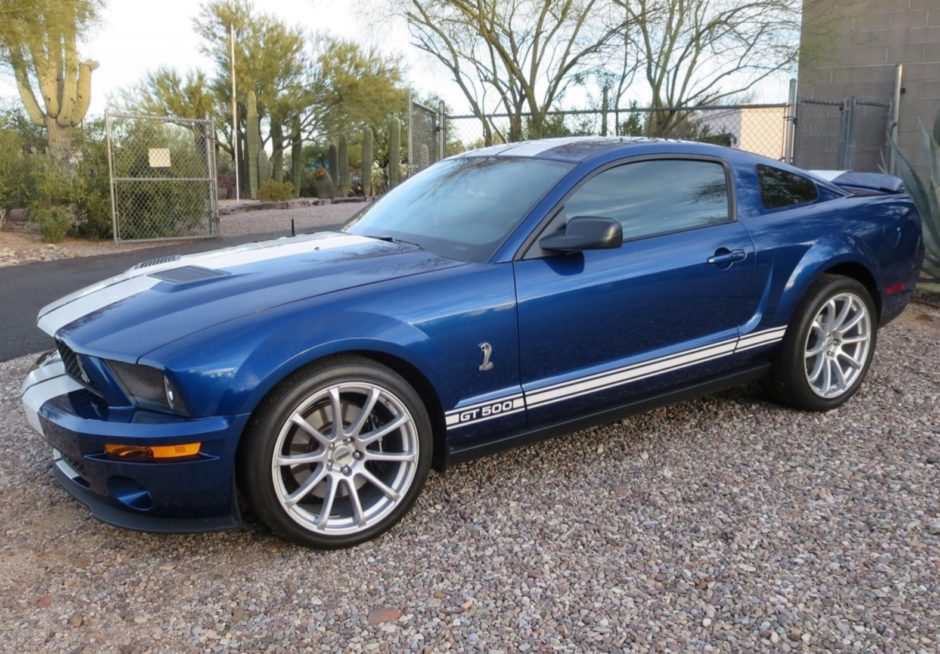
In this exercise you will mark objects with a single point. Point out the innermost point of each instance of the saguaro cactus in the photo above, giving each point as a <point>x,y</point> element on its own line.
<point>367,161</point>
<point>41,50</point>
<point>343,163</point>
<point>296,156</point>
<point>332,162</point>
<point>394,151</point>
<point>253,145</point>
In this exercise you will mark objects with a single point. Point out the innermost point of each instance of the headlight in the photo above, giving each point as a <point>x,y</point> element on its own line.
<point>148,387</point>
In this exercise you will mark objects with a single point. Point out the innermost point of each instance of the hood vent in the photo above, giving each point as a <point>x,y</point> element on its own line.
<point>156,261</point>
<point>188,274</point>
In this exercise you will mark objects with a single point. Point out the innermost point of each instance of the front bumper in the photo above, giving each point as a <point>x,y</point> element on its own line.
<point>183,495</point>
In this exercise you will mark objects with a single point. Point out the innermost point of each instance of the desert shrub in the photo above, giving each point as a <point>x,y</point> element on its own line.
<point>72,195</point>
<point>91,191</point>
<point>272,190</point>
<point>925,192</point>
<point>54,220</point>
<point>55,186</point>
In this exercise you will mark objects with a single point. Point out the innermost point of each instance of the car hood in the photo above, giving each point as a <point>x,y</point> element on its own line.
<point>161,300</point>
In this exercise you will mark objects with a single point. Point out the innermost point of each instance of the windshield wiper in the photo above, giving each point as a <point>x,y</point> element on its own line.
<point>392,239</point>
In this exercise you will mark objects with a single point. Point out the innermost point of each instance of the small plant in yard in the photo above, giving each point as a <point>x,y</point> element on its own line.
<point>926,195</point>
<point>275,191</point>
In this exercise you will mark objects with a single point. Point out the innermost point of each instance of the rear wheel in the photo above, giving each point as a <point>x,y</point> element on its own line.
<point>828,347</point>
<point>337,455</point>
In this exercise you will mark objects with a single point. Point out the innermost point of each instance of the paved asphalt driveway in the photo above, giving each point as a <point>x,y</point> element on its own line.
<point>28,288</point>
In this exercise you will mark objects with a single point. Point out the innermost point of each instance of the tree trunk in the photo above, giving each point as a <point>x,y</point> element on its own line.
<point>277,151</point>
<point>59,140</point>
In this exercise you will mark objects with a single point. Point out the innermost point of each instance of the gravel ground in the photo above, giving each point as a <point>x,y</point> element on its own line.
<point>19,245</point>
<point>722,524</point>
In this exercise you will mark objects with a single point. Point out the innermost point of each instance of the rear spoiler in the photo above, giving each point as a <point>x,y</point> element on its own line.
<point>858,183</point>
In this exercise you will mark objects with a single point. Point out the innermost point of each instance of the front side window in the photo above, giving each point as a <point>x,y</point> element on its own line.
<point>779,188</point>
<point>655,197</point>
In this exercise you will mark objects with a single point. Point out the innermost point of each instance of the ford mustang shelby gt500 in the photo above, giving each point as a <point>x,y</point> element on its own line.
<point>499,296</point>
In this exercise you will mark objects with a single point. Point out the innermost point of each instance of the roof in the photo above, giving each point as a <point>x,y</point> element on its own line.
<point>574,148</point>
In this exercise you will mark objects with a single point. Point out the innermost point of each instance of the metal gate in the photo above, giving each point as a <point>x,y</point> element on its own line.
<point>426,135</point>
<point>163,177</point>
<point>844,135</point>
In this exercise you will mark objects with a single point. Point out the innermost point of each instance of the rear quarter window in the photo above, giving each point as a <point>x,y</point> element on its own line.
<point>781,188</point>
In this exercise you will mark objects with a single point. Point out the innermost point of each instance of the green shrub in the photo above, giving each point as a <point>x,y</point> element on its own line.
<point>926,195</point>
<point>70,196</point>
<point>54,221</point>
<point>272,190</point>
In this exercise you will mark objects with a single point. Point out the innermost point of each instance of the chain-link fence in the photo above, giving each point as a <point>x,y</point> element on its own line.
<point>424,136</point>
<point>842,135</point>
<point>756,128</point>
<point>163,177</point>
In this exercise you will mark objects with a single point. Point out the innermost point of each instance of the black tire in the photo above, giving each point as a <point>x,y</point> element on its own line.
<point>345,462</point>
<point>789,378</point>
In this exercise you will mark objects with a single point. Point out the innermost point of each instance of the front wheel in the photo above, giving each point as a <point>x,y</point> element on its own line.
<point>336,455</point>
<point>828,347</point>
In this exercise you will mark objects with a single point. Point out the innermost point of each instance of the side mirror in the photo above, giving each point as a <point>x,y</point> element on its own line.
<point>585,233</point>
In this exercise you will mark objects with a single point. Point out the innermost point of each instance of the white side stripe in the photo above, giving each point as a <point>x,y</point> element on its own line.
<point>560,392</point>
<point>488,410</point>
<point>631,373</point>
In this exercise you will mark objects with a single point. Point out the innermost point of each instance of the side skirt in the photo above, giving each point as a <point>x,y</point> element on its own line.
<point>461,455</point>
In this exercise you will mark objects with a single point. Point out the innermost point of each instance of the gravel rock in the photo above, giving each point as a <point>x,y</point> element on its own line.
<point>799,531</point>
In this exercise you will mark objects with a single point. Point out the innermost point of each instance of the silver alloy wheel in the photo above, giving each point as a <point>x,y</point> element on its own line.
<point>345,458</point>
<point>837,345</point>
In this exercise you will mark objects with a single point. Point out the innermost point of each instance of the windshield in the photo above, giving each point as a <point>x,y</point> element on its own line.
<point>461,208</point>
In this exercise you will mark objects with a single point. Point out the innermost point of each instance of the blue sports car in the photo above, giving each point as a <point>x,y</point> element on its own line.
<point>500,296</point>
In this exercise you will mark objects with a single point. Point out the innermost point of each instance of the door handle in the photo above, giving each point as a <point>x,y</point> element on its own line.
<point>726,257</point>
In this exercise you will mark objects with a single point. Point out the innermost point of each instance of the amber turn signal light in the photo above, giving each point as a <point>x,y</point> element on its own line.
<point>152,451</point>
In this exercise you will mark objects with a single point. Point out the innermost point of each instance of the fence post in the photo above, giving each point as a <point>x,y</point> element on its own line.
<point>605,107</point>
<point>211,166</point>
<point>894,113</point>
<point>845,133</point>
<point>443,128</point>
<point>114,220</point>
<point>850,133</point>
<point>789,139</point>
<point>411,133</point>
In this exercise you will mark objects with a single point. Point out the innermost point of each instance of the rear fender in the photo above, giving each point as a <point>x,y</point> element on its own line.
<point>821,257</point>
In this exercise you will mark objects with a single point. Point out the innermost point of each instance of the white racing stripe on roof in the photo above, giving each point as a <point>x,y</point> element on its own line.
<point>828,175</point>
<point>56,315</point>
<point>535,148</point>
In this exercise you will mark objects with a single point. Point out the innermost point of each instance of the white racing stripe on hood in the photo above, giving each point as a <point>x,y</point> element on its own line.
<point>93,298</point>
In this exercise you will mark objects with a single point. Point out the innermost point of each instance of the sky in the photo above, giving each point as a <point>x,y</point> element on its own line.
<point>136,36</point>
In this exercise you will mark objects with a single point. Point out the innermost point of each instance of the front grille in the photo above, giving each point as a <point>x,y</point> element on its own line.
<point>73,365</point>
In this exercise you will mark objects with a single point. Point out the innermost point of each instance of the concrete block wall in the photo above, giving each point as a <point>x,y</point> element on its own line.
<point>851,47</point>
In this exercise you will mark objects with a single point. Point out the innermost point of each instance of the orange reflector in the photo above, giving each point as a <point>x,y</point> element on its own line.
<point>895,288</point>
<point>152,451</point>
